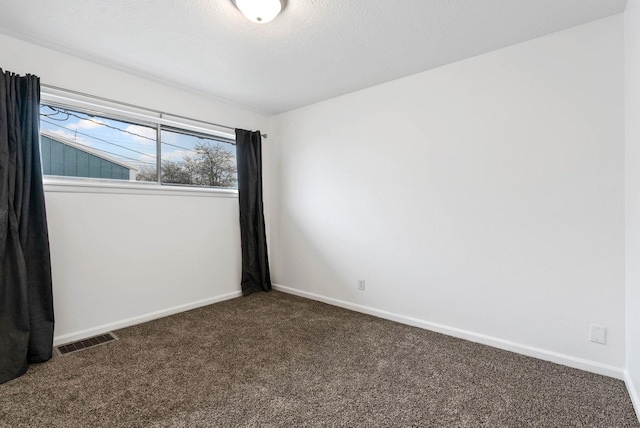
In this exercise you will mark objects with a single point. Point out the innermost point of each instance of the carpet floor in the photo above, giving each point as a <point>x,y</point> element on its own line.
<point>276,360</point>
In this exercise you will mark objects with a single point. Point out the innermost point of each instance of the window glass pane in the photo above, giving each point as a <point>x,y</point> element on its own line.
<point>77,144</point>
<point>197,160</point>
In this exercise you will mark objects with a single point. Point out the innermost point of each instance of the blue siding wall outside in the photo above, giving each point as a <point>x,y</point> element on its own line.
<point>64,160</point>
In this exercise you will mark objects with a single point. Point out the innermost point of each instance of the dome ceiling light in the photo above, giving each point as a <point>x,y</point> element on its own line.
<point>260,11</point>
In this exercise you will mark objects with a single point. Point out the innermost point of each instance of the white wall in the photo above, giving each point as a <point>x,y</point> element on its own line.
<point>483,199</point>
<point>632,44</point>
<point>120,255</point>
<point>126,256</point>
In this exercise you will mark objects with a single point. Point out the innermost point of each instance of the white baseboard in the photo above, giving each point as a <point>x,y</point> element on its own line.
<point>633,393</point>
<point>101,329</point>
<point>531,351</point>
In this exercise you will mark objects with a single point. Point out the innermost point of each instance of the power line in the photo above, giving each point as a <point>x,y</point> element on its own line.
<point>89,117</point>
<point>119,156</point>
<point>51,116</point>
<point>94,97</point>
<point>68,113</point>
<point>99,139</point>
<point>97,122</point>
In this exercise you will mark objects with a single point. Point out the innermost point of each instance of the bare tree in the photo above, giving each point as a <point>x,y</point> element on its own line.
<point>174,172</point>
<point>212,165</point>
<point>147,173</point>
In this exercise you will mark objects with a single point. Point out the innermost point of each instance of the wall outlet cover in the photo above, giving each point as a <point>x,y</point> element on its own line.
<point>598,334</point>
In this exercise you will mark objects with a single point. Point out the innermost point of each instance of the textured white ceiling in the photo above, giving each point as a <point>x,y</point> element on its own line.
<point>315,50</point>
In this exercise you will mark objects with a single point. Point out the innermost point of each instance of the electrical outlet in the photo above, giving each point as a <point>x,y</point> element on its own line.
<point>360,283</point>
<point>598,334</point>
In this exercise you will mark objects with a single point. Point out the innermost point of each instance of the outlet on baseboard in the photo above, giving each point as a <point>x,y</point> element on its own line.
<point>598,334</point>
<point>360,283</point>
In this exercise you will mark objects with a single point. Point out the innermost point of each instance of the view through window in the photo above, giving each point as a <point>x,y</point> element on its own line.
<point>81,144</point>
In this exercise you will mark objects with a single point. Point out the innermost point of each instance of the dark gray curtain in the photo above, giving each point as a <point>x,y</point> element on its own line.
<point>255,263</point>
<point>26,302</point>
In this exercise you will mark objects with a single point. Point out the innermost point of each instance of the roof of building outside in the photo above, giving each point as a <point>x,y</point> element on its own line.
<point>83,148</point>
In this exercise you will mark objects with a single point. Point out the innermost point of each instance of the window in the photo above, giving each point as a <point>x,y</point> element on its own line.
<point>196,160</point>
<point>78,142</point>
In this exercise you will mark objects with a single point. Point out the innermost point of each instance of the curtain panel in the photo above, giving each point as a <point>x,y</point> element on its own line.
<point>255,261</point>
<point>26,301</point>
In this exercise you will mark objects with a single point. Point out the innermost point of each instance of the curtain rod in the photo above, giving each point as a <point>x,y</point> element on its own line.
<point>83,94</point>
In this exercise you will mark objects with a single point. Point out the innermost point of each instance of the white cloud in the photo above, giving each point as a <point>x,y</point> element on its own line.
<point>89,124</point>
<point>144,134</point>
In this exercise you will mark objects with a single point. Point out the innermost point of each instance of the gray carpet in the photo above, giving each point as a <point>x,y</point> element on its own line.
<point>273,359</point>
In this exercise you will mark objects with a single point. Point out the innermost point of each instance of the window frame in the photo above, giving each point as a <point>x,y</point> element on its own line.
<point>137,116</point>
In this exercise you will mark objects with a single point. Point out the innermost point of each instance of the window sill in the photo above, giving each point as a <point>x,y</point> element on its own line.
<point>84,185</point>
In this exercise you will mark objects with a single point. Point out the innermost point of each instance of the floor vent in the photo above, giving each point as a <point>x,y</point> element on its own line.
<point>85,343</point>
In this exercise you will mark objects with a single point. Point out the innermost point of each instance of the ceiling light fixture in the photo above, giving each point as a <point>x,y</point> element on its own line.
<point>260,11</point>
